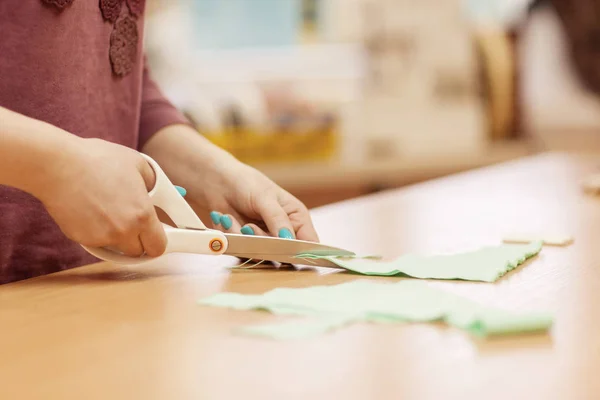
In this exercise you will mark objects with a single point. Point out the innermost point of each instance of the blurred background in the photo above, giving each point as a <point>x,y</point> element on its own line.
<point>337,98</point>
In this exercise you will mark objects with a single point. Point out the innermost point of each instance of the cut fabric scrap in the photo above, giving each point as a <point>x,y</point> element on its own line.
<point>297,329</point>
<point>487,264</point>
<point>548,239</point>
<point>331,307</point>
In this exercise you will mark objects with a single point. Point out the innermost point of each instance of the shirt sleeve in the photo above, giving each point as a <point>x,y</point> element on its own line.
<point>157,112</point>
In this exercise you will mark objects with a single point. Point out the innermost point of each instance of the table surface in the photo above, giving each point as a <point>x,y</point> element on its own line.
<point>106,332</point>
<point>390,170</point>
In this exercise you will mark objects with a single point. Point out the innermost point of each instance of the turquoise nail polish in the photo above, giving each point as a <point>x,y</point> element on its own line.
<point>226,221</point>
<point>216,217</point>
<point>285,233</point>
<point>247,230</point>
<point>181,191</point>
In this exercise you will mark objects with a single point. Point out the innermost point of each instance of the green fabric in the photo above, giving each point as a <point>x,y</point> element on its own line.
<point>330,307</point>
<point>296,329</point>
<point>487,264</point>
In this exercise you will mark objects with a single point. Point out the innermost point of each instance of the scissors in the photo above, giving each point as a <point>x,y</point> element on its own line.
<point>192,236</point>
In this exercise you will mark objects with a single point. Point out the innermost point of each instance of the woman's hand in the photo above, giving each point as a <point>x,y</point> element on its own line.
<point>244,200</point>
<point>97,192</point>
<point>241,198</point>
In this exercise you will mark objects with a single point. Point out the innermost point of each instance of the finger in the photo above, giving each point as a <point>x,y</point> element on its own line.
<point>305,230</point>
<point>307,233</point>
<point>230,224</point>
<point>181,190</point>
<point>253,230</point>
<point>276,218</point>
<point>147,174</point>
<point>154,238</point>
<point>131,246</point>
<point>215,218</point>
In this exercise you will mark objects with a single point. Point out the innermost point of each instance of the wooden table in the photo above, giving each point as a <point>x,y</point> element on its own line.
<point>103,332</point>
<point>321,183</point>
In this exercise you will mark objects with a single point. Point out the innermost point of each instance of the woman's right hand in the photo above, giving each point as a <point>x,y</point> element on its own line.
<point>97,192</point>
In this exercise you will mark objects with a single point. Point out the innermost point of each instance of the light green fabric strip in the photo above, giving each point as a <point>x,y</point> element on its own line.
<point>363,301</point>
<point>486,265</point>
<point>297,329</point>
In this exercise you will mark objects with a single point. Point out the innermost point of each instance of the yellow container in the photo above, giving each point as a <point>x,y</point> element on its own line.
<point>254,147</point>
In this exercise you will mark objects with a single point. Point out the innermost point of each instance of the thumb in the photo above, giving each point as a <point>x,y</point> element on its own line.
<point>275,218</point>
<point>147,173</point>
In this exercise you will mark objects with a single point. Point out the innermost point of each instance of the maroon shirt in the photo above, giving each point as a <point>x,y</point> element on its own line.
<point>79,65</point>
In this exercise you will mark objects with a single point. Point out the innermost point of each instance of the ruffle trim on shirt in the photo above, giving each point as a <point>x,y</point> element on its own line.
<point>123,45</point>
<point>111,9</point>
<point>59,3</point>
<point>124,37</point>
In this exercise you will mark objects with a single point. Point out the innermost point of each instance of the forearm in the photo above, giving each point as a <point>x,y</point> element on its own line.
<point>185,155</point>
<point>28,149</point>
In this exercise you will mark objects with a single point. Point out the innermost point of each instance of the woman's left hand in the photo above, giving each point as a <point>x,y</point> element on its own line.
<point>242,199</point>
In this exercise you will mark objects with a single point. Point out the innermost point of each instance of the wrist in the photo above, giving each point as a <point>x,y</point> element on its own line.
<point>185,155</point>
<point>50,160</point>
<point>30,151</point>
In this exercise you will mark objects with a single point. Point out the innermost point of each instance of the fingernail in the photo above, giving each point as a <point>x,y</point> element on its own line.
<point>181,191</point>
<point>226,221</point>
<point>216,217</point>
<point>247,230</point>
<point>285,233</point>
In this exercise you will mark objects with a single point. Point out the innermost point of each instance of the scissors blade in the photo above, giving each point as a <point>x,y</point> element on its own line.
<point>319,262</point>
<point>280,250</point>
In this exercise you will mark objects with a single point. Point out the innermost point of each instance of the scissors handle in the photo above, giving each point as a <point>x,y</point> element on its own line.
<point>209,241</point>
<point>190,236</point>
<point>165,196</point>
